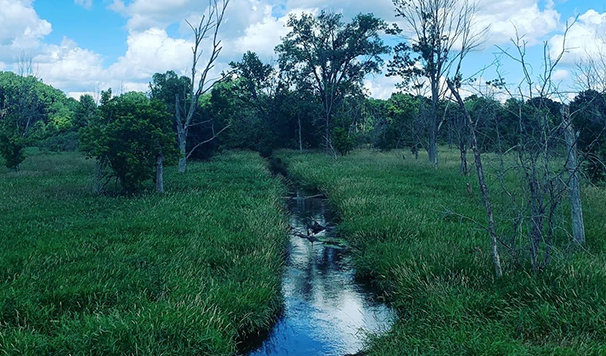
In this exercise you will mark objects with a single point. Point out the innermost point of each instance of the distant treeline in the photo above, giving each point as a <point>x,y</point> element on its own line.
<point>266,114</point>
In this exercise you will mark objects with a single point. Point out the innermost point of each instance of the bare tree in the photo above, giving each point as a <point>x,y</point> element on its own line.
<point>27,99</point>
<point>469,40</point>
<point>574,187</point>
<point>208,27</point>
<point>543,180</point>
<point>435,29</point>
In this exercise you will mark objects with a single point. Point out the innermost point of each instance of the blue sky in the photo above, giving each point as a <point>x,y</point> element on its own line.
<point>84,46</point>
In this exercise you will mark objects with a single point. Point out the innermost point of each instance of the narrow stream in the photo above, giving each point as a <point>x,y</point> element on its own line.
<point>326,311</point>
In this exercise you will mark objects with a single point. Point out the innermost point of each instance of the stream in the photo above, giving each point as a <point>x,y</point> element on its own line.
<point>326,312</point>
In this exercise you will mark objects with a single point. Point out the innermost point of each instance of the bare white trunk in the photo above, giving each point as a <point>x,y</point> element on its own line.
<point>160,172</point>
<point>574,187</point>
<point>432,149</point>
<point>182,141</point>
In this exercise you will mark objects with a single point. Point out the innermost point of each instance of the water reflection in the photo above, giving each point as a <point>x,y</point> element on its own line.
<point>326,311</point>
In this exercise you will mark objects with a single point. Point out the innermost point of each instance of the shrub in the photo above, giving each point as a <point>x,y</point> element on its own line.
<point>127,138</point>
<point>12,148</point>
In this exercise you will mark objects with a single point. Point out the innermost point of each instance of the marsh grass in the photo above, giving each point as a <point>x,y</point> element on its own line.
<point>436,270</point>
<point>187,273</point>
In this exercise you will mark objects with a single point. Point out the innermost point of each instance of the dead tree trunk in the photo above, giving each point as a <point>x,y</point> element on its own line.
<point>209,25</point>
<point>463,165</point>
<point>432,148</point>
<point>496,258</point>
<point>160,172</point>
<point>574,186</point>
<point>300,133</point>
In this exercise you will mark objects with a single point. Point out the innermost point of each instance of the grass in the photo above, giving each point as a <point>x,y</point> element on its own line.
<point>437,272</point>
<point>190,272</point>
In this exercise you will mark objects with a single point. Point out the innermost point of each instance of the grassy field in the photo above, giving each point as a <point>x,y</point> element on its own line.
<point>187,273</point>
<point>437,272</point>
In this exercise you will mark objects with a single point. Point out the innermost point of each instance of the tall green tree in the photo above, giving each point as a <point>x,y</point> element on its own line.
<point>332,56</point>
<point>256,78</point>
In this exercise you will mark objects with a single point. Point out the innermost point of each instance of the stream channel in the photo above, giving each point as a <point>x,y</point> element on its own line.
<point>326,311</point>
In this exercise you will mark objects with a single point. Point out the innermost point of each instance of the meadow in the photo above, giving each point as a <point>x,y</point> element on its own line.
<point>436,269</point>
<point>191,272</point>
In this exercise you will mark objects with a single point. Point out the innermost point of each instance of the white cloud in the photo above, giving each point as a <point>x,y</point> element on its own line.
<point>21,28</point>
<point>69,67</point>
<point>262,37</point>
<point>526,17</point>
<point>560,74</point>
<point>380,86</point>
<point>87,4</point>
<point>586,38</point>
<point>149,52</point>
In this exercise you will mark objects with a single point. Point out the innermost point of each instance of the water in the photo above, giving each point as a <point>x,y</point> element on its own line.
<point>326,311</point>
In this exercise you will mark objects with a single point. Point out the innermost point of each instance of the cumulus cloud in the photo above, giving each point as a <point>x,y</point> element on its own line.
<point>586,38</point>
<point>380,86</point>
<point>560,74</point>
<point>69,66</point>
<point>526,18</point>
<point>149,52</point>
<point>21,29</point>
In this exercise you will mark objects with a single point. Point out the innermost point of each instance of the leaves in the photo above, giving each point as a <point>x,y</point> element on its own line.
<point>129,134</point>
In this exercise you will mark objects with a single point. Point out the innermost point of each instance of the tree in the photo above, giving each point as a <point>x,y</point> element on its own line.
<point>434,29</point>
<point>260,85</point>
<point>465,31</point>
<point>86,112</point>
<point>21,110</point>
<point>331,56</point>
<point>534,181</point>
<point>184,110</point>
<point>126,138</point>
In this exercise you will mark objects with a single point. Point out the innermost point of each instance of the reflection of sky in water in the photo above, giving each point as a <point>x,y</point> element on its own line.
<point>326,312</point>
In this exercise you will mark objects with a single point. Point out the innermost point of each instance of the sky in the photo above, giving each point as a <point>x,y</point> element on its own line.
<point>84,46</point>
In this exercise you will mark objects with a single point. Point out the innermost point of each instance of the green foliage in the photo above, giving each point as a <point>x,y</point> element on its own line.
<point>12,149</point>
<point>86,111</point>
<point>128,135</point>
<point>32,113</point>
<point>186,273</point>
<point>342,140</point>
<point>64,142</point>
<point>330,57</point>
<point>166,87</point>
<point>435,268</point>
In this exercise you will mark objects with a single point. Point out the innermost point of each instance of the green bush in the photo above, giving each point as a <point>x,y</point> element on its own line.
<point>127,138</point>
<point>12,149</point>
<point>343,141</point>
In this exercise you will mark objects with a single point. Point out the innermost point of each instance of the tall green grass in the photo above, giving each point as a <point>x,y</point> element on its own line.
<point>436,270</point>
<point>186,273</point>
